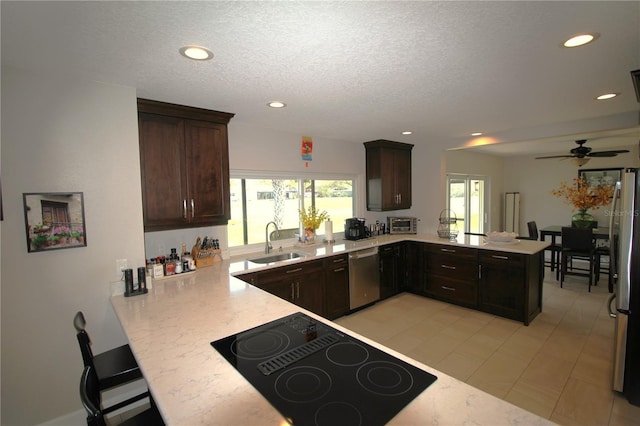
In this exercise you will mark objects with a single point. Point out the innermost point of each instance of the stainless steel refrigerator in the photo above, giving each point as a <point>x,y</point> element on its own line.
<point>625,267</point>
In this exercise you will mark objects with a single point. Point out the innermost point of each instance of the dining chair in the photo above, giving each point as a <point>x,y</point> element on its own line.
<point>112,368</point>
<point>603,250</point>
<point>554,249</point>
<point>577,243</point>
<point>90,395</point>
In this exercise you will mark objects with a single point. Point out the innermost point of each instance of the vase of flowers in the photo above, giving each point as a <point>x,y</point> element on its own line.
<point>311,220</point>
<point>583,198</point>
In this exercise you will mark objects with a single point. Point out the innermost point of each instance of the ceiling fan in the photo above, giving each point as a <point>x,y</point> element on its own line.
<point>582,154</point>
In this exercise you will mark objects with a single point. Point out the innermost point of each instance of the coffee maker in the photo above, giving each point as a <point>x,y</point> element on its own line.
<point>355,229</point>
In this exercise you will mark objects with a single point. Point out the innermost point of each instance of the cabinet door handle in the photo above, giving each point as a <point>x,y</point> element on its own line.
<point>500,257</point>
<point>184,208</point>
<point>293,270</point>
<point>447,288</point>
<point>298,290</point>
<point>338,270</point>
<point>293,297</point>
<point>447,267</point>
<point>193,209</point>
<point>338,260</point>
<point>400,198</point>
<point>479,272</point>
<point>447,250</point>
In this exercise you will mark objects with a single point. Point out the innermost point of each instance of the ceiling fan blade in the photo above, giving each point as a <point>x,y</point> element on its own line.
<point>607,153</point>
<point>555,156</point>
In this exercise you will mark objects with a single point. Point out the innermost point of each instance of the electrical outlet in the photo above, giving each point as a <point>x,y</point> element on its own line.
<point>121,265</point>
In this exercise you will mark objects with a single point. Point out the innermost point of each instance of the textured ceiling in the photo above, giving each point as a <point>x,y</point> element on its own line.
<point>357,71</point>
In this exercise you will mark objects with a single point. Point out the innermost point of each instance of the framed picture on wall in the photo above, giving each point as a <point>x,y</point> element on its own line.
<point>54,220</point>
<point>597,178</point>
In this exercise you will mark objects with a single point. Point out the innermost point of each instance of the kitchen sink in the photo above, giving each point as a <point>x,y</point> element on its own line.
<point>277,257</point>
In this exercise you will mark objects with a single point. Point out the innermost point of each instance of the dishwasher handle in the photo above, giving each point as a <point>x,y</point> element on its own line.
<point>363,253</point>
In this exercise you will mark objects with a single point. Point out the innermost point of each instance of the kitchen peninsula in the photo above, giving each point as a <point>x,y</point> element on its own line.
<point>171,328</point>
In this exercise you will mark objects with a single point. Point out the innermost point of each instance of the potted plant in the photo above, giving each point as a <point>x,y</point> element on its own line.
<point>52,240</point>
<point>311,220</point>
<point>584,197</point>
<point>63,233</point>
<point>78,235</point>
<point>38,241</point>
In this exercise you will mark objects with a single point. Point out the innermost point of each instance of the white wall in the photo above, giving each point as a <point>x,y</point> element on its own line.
<point>535,179</point>
<point>60,134</point>
<point>63,135</point>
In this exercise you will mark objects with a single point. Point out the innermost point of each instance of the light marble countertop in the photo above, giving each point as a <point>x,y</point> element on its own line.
<point>170,330</point>
<point>240,264</point>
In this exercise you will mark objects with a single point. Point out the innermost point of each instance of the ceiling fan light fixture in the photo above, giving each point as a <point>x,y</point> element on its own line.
<point>606,96</point>
<point>580,40</point>
<point>581,161</point>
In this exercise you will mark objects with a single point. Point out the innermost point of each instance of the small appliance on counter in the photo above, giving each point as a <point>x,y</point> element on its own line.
<point>314,374</point>
<point>355,229</point>
<point>402,225</point>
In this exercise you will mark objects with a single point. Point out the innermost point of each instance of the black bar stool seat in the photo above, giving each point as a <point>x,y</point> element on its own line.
<point>112,368</point>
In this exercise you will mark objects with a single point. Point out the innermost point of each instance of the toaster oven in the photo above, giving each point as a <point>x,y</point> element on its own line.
<point>402,225</point>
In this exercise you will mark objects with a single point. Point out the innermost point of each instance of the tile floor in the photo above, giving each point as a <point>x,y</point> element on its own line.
<point>558,367</point>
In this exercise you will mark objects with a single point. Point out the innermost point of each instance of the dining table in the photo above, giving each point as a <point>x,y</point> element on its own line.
<point>554,231</point>
<point>600,233</point>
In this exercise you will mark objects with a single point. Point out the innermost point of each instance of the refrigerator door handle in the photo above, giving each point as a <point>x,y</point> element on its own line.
<point>627,203</point>
<point>611,313</point>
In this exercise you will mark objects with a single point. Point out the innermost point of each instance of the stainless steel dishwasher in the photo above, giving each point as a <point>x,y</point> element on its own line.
<point>364,277</point>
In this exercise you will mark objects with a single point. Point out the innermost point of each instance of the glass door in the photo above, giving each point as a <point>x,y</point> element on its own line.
<point>467,198</point>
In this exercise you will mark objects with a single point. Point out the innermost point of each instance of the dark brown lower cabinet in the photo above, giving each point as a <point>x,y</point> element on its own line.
<point>451,274</point>
<point>501,283</point>
<point>412,267</point>
<point>336,286</point>
<point>301,283</point>
<point>510,284</point>
<point>390,275</point>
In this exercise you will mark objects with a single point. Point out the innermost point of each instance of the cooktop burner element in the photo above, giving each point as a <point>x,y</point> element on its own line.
<point>315,375</point>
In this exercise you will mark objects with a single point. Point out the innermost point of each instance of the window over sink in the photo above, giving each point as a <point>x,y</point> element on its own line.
<point>258,198</point>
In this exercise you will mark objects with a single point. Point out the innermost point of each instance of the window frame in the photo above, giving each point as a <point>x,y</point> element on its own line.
<point>298,176</point>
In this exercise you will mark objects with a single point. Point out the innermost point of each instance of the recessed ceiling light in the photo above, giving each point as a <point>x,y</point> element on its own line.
<point>476,134</point>
<point>580,40</point>
<point>276,104</point>
<point>407,132</point>
<point>607,96</point>
<point>196,53</point>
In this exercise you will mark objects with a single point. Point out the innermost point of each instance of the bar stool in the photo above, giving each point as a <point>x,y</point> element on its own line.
<point>112,368</point>
<point>91,400</point>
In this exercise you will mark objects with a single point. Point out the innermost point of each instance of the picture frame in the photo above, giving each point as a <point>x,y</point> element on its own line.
<point>597,178</point>
<point>54,220</point>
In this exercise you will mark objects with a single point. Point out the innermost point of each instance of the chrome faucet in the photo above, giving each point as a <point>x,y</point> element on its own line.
<point>267,244</point>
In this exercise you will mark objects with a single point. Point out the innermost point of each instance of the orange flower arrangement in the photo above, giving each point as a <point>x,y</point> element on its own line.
<point>583,197</point>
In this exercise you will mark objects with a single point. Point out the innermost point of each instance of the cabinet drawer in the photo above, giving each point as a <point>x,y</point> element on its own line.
<point>460,292</point>
<point>451,266</point>
<point>504,258</point>
<point>451,250</point>
<point>336,262</point>
<point>285,273</point>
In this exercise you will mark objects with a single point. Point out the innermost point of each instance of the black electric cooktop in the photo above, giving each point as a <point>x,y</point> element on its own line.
<point>314,374</point>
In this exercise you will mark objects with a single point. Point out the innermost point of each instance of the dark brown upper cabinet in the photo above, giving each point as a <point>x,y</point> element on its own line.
<point>184,163</point>
<point>388,175</point>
